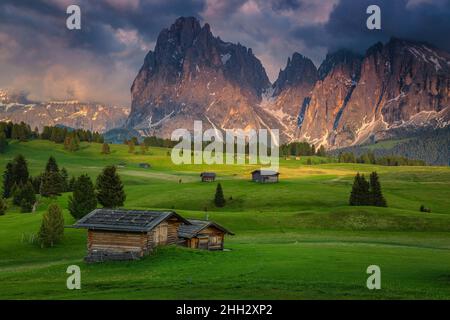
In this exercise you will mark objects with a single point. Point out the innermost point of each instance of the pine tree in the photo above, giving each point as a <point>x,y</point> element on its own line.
<point>360,195</point>
<point>143,147</point>
<point>24,196</point>
<point>51,184</point>
<point>71,184</point>
<point>64,180</point>
<point>83,199</point>
<point>8,180</point>
<point>3,142</point>
<point>36,182</point>
<point>3,206</point>
<point>219,199</point>
<point>130,146</point>
<point>52,227</point>
<point>376,196</point>
<point>110,193</point>
<point>74,143</point>
<point>105,148</point>
<point>20,170</point>
<point>51,165</point>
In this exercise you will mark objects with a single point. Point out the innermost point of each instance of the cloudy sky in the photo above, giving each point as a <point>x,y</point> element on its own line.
<point>38,54</point>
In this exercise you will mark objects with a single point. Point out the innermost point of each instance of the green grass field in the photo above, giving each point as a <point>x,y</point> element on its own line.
<point>294,240</point>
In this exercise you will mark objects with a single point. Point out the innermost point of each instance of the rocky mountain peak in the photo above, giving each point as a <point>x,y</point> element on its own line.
<point>299,70</point>
<point>340,59</point>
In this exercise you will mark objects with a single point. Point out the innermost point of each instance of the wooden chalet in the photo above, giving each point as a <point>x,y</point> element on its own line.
<point>208,176</point>
<point>265,176</point>
<point>201,234</point>
<point>128,234</point>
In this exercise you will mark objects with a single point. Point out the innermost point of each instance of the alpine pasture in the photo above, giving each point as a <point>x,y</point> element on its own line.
<point>297,239</point>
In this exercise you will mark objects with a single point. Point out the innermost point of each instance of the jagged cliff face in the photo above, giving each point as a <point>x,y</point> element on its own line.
<point>398,84</point>
<point>192,75</point>
<point>293,86</point>
<point>322,110</point>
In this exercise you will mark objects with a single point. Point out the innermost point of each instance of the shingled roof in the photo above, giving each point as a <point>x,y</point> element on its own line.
<point>196,226</point>
<point>125,220</point>
<point>267,172</point>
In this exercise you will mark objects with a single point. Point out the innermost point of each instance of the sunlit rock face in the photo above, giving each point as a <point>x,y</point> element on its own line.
<point>350,99</point>
<point>192,75</point>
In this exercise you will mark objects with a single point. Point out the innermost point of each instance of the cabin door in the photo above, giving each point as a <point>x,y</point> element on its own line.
<point>203,243</point>
<point>163,234</point>
<point>160,234</point>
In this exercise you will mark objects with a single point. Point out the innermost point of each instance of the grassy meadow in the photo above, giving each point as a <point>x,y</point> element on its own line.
<point>298,239</point>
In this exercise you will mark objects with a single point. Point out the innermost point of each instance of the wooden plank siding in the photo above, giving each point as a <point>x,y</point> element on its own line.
<point>116,241</point>
<point>142,243</point>
<point>209,239</point>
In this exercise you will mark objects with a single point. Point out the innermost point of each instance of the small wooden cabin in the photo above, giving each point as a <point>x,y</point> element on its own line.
<point>208,176</point>
<point>265,176</point>
<point>128,234</point>
<point>201,234</point>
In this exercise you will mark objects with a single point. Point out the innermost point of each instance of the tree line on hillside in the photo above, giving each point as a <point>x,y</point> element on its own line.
<point>432,146</point>
<point>19,185</point>
<point>15,131</point>
<point>22,132</point>
<point>301,149</point>
<point>370,158</point>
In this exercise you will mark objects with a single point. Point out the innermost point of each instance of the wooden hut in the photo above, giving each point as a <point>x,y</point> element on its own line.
<point>208,176</point>
<point>201,234</point>
<point>265,176</point>
<point>128,234</point>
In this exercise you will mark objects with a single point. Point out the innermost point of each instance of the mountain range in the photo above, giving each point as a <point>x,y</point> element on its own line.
<point>350,99</point>
<point>16,107</point>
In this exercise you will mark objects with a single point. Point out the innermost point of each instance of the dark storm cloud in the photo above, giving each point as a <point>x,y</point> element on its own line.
<point>39,54</point>
<point>427,21</point>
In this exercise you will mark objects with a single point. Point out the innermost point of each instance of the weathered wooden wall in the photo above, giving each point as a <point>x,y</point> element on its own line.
<point>214,240</point>
<point>116,241</point>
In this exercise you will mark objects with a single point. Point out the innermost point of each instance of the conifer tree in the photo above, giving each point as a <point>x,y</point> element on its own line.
<point>8,180</point>
<point>110,193</point>
<point>52,227</point>
<point>52,183</point>
<point>20,170</point>
<point>130,146</point>
<point>3,142</point>
<point>83,199</point>
<point>64,180</point>
<point>359,195</point>
<point>72,183</point>
<point>3,206</point>
<point>376,196</point>
<point>219,199</point>
<point>24,196</point>
<point>105,148</point>
<point>51,165</point>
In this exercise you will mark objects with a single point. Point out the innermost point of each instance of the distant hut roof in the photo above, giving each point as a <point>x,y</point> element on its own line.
<point>196,226</point>
<point>125,220</point>
<point>267,172</point>
<point>208,174</point>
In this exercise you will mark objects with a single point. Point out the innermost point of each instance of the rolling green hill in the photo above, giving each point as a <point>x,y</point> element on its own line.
<point>295,240</point>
